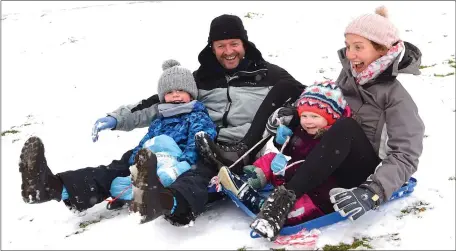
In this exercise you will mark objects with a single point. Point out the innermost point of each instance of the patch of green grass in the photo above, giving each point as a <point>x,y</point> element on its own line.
<point>427,66</point>
<point>14,131</point>
<point>252,15</point>
<point>25,124</point>
<point>278,249</point>
<point>84,224</point>
<point>242,249</point>
<point>415,209</point>
<point>443,75</point>
<point>79,231</point>
<point>364,242</point>
<point>10,132</point>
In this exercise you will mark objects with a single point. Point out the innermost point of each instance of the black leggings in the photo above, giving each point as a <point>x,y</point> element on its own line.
<point>343,152</point>
<point>280,94</point>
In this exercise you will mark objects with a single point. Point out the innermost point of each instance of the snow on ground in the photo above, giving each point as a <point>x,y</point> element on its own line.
<point>65,64</point>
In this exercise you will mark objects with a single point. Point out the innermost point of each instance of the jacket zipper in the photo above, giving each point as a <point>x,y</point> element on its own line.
<point>228,105</point>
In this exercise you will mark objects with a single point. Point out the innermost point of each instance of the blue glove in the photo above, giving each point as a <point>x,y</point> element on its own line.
<point>354,202</point>
<point>282,133</point>
<point>168,175</point>
<point>107,122</point>
<point>278,164</point>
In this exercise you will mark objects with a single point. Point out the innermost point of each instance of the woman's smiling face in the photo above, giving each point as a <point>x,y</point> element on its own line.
<point>361,52</point>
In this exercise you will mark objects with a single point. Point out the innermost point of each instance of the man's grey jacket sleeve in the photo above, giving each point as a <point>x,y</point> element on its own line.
<point>137,115</point>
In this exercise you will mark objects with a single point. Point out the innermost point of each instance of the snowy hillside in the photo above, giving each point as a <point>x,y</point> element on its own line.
<point>65,64</point>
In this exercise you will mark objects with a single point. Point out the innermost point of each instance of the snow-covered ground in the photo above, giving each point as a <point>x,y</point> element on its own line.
<point>65,64</point>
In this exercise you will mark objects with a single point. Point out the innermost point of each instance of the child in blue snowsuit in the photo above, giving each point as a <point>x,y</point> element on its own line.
<point>171,137</point>
<point>170,141</point>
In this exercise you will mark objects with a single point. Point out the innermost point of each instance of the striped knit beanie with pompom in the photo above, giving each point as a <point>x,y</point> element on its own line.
<point>324,99</point>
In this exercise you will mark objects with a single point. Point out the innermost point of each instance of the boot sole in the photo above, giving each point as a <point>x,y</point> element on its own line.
<point>225,180</point>
<point>142,174</point>
<point>29,168</point>
<point>140,183</point>
<point>164,199</point>
<point>261,227</point>
<point>145,191</point>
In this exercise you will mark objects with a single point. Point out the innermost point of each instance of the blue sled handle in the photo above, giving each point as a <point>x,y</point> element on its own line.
<point>254,235</point>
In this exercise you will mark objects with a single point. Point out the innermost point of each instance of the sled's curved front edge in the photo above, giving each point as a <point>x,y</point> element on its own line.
<point>322,221</point>
<point>335,217</point>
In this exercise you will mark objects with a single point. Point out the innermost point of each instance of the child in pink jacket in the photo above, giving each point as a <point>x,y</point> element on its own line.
<point>319,106</point>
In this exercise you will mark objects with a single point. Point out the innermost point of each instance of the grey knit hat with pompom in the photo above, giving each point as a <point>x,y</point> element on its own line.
<point>175,77</point>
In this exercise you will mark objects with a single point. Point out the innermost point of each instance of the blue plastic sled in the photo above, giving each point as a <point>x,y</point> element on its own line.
<point>319,222</point>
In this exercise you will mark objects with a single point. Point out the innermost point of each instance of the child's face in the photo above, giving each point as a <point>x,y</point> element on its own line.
<point>177,96</point>
<point>361,52</point>
<point>311,122</point>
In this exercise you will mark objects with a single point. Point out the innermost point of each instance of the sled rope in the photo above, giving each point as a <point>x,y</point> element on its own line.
<point>256,145</point>
<point>261,141</point>
<point>281,151</point>
<point>110,201</point>
<point>248,151</point>
<point>285,144</point>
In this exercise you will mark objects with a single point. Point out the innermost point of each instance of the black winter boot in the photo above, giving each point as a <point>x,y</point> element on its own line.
<point>180,214</point>
<point>273,214</point>
<point>118,204</point>
<point>221,154</point>
<point>39,184</point>
<point>204,144</point>
<point>148,192</point>
<point>232,152</point>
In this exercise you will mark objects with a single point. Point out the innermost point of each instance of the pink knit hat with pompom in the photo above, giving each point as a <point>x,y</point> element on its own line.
<point>376,27</point>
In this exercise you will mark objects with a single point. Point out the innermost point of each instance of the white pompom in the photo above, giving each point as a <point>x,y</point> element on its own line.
<point>170,63</point>
<point>382,11</point>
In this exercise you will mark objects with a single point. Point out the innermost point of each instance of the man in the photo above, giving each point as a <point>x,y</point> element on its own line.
<point>237,84</point>
<point>239,89</point>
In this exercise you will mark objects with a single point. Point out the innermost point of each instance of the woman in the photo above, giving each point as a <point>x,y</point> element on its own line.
<point>375,152</point>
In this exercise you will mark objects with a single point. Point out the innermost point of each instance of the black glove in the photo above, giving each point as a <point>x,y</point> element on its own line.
<point>354,202</point>
<point>281,116</point>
